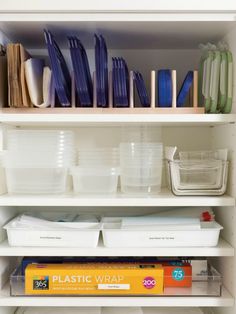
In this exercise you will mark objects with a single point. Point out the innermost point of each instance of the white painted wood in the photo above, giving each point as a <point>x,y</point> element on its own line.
<point>67,119</point>
<point>165,198</point>
<point>223,136</point>
<point>222,249</point>
<point>225,300</point>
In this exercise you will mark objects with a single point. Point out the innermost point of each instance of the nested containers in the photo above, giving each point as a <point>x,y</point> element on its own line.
<point>97,171</point>
<point>141,167</point>
<point>199,173</point>
<point>37,161</point>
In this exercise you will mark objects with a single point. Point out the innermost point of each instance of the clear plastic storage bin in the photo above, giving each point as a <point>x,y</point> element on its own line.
<point>198,178</point>
<point>36,180</point>
<point>141,167</point>
<point>95,179</point>
<point>207,284</point>
<point>37,161</point>
<point>197,173</point>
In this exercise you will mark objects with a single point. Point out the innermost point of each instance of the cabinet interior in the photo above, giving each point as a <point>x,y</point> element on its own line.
<point>146,46</point>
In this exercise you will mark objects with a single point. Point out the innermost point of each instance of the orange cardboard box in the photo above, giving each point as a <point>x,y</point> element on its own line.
<point>94,279</point>
<point>177,274</point>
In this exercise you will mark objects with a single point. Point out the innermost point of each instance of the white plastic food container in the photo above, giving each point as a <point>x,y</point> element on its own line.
<point>81,235</point>
<point>95,180</point>
<point>114,236</point>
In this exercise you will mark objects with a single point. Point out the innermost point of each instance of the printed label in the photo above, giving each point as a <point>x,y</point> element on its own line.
<point>149,282</point>
<point>178,274</point>
<point>41,283</point>
<point>113,287</point>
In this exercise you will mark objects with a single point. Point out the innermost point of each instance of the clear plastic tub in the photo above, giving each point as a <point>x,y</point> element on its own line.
<point>207,284</point>
<point>141,185</point>
<point>95,179</point>
<point>36,180</point>
<point>198,178</point>
<point>35,159</point>
<point>40,139</point>
<point>141,180</point>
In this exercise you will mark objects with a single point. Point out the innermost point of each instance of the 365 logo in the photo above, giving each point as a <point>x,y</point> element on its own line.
<point>41,283</point>
<point>149,282</point>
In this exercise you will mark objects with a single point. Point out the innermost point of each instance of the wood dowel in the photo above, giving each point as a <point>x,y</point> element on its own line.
<point>131,89</point>
<point>153,89</point>
<point>174,87</point>
<point>195,89</point>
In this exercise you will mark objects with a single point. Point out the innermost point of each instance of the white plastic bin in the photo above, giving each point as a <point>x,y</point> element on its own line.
<point>82,234</point>
<point>114,236</point>
<point>95,180</point>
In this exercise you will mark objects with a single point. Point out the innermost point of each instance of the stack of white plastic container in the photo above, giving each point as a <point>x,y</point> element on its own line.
<point>37,161</point>
<point>97,172</point>
<point>141,167</point>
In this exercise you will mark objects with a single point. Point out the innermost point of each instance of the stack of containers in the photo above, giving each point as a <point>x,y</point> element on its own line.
<point>97,171</point>
<point>141,167</point>
<point>37,161</point>
<point>198,173</point>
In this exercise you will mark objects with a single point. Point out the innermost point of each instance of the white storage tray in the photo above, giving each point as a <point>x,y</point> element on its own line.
<point>114,236</point>
<point>83,234</point>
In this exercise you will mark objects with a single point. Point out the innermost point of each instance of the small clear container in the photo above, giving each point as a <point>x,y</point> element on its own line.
<point>95,180</point>
<point>36,180</point>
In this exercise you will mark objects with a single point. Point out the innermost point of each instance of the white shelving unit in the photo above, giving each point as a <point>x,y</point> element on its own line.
<point>226,300</point>
<point>164,199</point>
<point>78,117</point>
<point>222,249</point>
<point>149,37</point>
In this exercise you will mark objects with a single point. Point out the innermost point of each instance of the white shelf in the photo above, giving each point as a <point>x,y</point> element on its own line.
<point>164,199</point>
<point>222,249</point>
<point>78,117</point>
<point>225,300</point>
